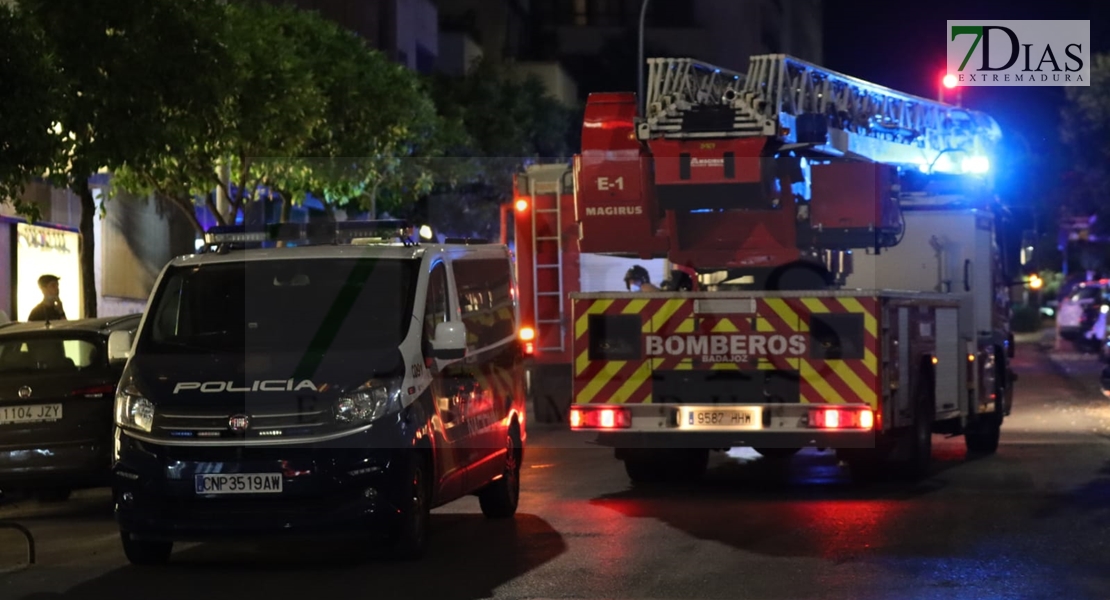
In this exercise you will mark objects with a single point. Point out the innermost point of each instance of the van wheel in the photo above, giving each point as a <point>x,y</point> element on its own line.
<point>145,553</point>
<point>499,500</point>
<point>410,540</point>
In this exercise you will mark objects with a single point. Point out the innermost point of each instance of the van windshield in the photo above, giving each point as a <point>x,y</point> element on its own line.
<point>283,306</point>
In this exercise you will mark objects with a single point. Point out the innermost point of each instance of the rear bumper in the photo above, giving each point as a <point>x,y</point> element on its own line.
<point>70,465</point>
<point>773,426</point>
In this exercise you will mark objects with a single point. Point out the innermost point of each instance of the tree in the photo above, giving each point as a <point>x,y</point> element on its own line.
<point>496,122</point>
<point>306,107</point>
<point>123,96</point>
<point>1085,131</point>
<point>29,101</point>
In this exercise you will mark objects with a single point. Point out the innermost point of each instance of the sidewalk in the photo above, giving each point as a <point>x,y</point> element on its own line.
<point>1082,369</point>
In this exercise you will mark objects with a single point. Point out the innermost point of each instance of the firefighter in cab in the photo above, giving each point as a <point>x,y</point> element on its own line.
<point>638,280</point>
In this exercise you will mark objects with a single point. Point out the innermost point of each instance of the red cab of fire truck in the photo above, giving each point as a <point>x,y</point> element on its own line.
<point>847,238</point>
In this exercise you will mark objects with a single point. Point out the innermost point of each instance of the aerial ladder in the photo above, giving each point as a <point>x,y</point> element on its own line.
<point>779,173</point>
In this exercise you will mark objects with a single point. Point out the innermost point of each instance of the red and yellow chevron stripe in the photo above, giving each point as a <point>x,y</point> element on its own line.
<point>829,381</point>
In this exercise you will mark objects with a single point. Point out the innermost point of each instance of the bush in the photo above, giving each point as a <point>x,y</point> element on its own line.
<point>1027,319</point>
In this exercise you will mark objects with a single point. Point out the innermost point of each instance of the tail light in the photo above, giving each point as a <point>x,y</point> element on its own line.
<point>600,418</point>
<point>528,336</point>
<point>842,418</point>
<point>96,391</point>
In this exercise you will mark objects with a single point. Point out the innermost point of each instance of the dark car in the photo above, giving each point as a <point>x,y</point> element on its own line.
<point>57,390</point>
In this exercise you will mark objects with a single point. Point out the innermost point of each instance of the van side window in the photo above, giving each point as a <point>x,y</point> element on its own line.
<point>485,299</point>
<point>435,310</point>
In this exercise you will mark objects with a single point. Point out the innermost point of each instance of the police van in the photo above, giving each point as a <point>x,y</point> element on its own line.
<point>319,380</point>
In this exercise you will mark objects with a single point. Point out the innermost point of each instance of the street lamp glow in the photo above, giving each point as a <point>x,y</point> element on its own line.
<point>1035,282</point>
<point>950,81</point>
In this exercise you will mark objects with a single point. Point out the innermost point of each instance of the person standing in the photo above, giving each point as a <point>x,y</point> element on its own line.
<point>638,280</point>
<point>50,309</point>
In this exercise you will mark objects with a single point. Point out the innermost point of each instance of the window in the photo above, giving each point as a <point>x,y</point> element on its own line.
<point>55,355</point>
<point>283,306</point>
<point>435,308</point>
<point>486,300</point>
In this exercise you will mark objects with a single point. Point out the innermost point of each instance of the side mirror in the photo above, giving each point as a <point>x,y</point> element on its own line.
<point>449,342</point>
<point>119,346</point>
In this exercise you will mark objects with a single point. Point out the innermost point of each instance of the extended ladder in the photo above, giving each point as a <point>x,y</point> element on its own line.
<point>863,119</point>
<point>541,186</point>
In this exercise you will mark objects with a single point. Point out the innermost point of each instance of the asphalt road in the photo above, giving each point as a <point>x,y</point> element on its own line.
<point>1031,522</point>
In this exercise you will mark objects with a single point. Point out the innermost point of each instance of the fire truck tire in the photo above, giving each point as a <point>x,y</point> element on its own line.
<point>982,435</point>
<point>773,453</point>
<point>920,460</point>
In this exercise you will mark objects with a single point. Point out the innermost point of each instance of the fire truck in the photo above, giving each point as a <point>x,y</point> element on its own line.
<point>852,289</point>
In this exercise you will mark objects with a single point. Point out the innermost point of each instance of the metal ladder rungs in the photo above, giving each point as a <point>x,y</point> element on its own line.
<point>548,238</point>
<point>548,294</point>
<point>549,322</point>
<point>547,210</point>
<point>547,266</point>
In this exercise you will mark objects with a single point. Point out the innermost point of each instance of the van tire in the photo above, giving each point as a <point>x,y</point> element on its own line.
<point>410,539</point>
<point>145,553</point>
<point>499,499</point>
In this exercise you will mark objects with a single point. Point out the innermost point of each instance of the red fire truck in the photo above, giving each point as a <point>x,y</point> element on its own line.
<point>852,288</point>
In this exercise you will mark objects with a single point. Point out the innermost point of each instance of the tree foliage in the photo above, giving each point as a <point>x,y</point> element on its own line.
<point>496,121</point>
<point>1085,131</point>
<point>30,105</point>
<point>304,107</point>
<point>122,95</point>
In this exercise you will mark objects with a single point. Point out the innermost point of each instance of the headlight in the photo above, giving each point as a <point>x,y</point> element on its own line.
<point>368,404</point>
<point>132,410</point>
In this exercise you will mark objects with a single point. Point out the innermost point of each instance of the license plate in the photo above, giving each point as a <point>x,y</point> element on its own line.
<point>240,483</point>
<point>13,415</point>
<point>720,418</point>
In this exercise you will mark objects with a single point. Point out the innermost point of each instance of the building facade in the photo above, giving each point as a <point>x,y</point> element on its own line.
<point>405,30</point>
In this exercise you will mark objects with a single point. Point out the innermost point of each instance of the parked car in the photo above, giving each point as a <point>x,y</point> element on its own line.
<point>57,390</point>
<point>1080,317</point>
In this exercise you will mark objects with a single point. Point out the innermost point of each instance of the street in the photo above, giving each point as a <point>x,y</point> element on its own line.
<point>1030,522</point>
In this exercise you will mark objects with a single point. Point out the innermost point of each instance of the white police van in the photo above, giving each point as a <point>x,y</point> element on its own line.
<point>318,380</point>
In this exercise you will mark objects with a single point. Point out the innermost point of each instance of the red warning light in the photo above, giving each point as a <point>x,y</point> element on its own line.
<point>950,81</point>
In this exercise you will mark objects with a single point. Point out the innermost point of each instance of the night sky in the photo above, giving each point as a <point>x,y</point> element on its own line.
<point>902,45</point>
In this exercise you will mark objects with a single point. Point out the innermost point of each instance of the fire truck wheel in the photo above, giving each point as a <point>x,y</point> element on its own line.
<point>777,452</point>
<point>982,435</point>
<point>920,460</point>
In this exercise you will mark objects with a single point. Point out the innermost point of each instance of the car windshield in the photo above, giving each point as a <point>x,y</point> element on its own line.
<point>1090,292</point>
<point>318,305</point>
<point>50,354</point>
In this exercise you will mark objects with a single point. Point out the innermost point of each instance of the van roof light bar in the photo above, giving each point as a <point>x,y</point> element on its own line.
<point>345,232</point>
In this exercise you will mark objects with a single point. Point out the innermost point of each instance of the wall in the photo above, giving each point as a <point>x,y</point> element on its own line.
<point>131,245</point>
<point>555,79</point>
<point>457,51</point>
<point>417,35</point>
